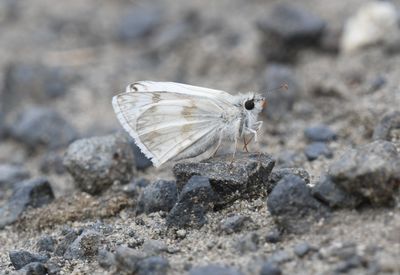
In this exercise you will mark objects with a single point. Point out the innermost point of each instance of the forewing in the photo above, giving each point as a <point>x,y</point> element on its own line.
<point>164,124</point>
<point>179,88</point>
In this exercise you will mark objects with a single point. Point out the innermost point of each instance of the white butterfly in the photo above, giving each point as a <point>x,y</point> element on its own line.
<point>177,121</point>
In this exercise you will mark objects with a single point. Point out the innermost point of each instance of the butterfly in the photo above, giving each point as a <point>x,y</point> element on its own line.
<point>174,121</point>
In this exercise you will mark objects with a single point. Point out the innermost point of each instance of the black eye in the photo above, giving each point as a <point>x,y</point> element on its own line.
<point>249,104</point>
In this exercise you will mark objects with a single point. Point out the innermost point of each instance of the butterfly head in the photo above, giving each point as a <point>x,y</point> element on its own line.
<point>253,104</point>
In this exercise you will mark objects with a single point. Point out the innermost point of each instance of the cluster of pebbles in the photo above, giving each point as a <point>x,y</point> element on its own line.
<point>321,196</point>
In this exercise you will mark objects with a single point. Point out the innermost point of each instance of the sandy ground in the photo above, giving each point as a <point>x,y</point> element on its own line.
<point>103,67</point>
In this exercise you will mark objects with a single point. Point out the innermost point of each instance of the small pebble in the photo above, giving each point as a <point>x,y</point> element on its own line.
<point>270,268</point>
<point>320,133</point>
<point>317,149</point>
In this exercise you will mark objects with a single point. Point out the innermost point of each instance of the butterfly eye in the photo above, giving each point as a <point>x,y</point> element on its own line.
<point>249,104</point>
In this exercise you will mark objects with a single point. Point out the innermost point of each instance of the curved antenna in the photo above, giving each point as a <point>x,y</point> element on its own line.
<point>283,86</point>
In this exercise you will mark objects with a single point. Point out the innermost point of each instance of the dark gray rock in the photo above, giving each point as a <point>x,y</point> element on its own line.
<point>350,263</point>
<point>333,195</point>
<point>371,171</point>
<point>287,29</point>
<point>63,245</point>
<point>389,122</point>
<point>320,133</point>
<point>196,198</point>
<point>11,174</point>
<point>279,102</point>
<point>278,174</point>
<point>246,177</point>
<point>234,223</point>
<point>153,266</point>
<point>42,127</point>
<point>139,22</point>
<point>3,128</point>
<point>96,163</point>
<point>46,244</point>
<point>290,159</point>
<point>141,161</point>
<point>248,243</point>
<point>377,83</point>
<point>273,236</point>
<point>317,149</point>
<point>105,258</point>
<point>52,162</point>
<point>154,247</point>
<point>30,193</point>
<point>293,206</point>
<point>43,83</point>
<point>303,249</point>
<point>134,188</point>
<point>85,246</point>
<point>280,256</point>
<point>161,195</point>
<point>20,258</point>
<point>127,259</point>
<point>214,270</point>
<point>269,268</point>
<point>34,268</point>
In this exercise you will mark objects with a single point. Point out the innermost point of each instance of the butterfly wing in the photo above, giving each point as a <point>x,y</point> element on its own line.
<point>179,88</point>
<point>165,123</point>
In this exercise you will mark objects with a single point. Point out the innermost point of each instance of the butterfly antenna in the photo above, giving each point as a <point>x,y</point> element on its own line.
<point>283,86</point>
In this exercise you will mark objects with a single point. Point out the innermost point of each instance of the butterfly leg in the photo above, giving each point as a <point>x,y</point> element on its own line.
<point>214,152</point>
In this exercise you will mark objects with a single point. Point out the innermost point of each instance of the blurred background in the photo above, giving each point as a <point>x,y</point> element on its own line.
<point>61,63</point>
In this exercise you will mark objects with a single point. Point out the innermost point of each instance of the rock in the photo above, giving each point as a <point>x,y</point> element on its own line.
<point>320,133</point>
<point>3,128</point>
<point>278,174</point>
<point>96,163</point>
<point>248,243</point>
<point>20,258</point>
<point>63,245</point>
<point>371,171</point>
<point>273,236</point>
<point>54,266</point>
<point>373,23</point>
<point>127,259</point>
<point>377,83</point>
<point>34,268</point>
<point>317,149</point>
<point>302,249</point>
<point>214,270</point>
<point>46,244</point>
<point>269,268</point>
<point>350,263</point>
<point>290,159</point>
<point>161,195</point>
<point>330,40</point>
<point>52,162</point>
<point>234,223</point>
<point>10,174</point>
<point>280,102</point>
<point>279,257</point>
<point>30,193</point>
<point>293,206</point>
<point>246,177</point>
<point>152,266</point>
<point>287,29</point>
<point>85,246</point>
<point>141,161</point>
<point>42,127</point>
<point>154,247</point>
<point>43,83</point>
<point>134,188</point>
<point>333,195</point>
<point>138,22</point>
<point>195,199</point>
<point>389,122</point>
<point>105,258</point>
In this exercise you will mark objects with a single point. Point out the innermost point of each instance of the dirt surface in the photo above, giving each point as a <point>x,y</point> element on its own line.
<point>220,49</point>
